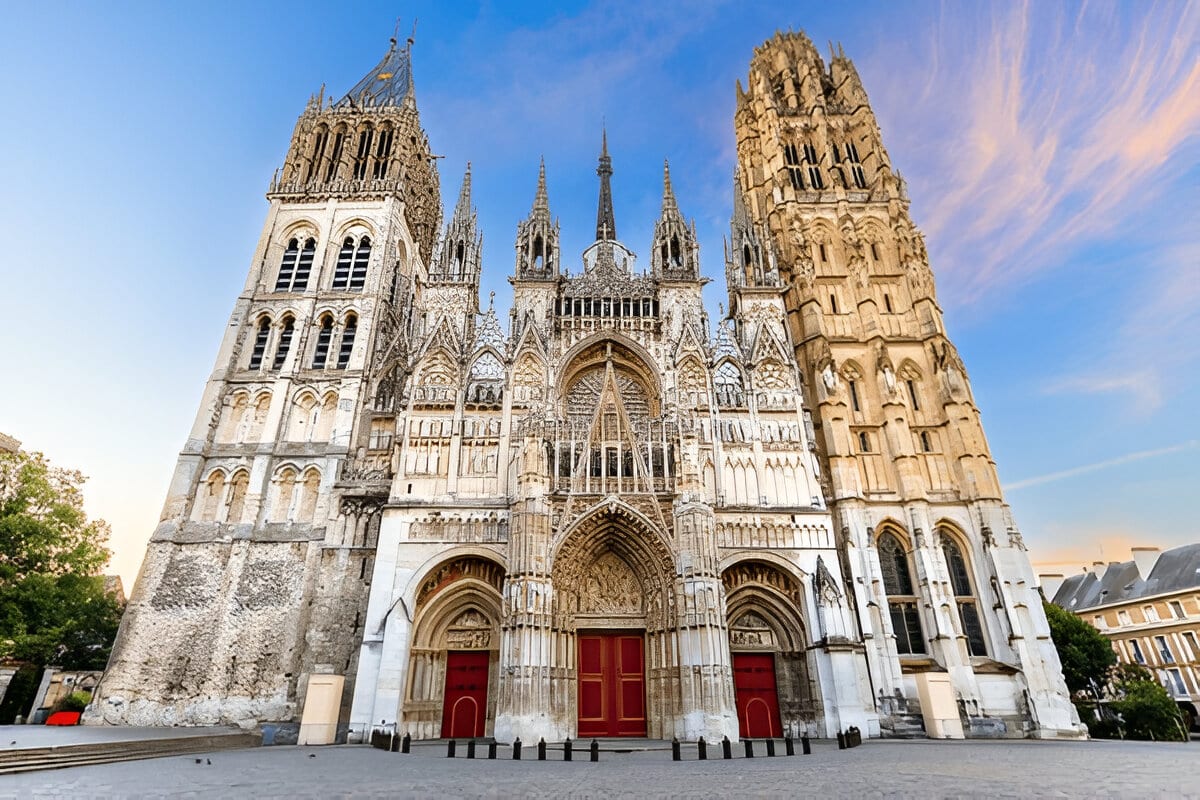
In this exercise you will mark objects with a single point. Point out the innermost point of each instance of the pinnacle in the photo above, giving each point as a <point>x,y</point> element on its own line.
<point>669,202</point>
<point>463,208</point>
<point>541,201</point>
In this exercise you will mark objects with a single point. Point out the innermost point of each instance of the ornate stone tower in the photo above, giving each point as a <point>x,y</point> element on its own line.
<point>258,574</point>
<point>941,582</point>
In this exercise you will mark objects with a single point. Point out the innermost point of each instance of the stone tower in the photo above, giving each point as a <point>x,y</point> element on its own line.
<point>941,581</point>
<point>258,574</point>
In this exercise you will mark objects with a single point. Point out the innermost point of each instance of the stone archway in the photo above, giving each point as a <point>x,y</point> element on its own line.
<point>614,594</point>
<point>456,629</point>
<point>766,626</point>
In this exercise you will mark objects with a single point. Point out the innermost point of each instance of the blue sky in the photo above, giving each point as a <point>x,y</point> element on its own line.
<point>1052,152</point>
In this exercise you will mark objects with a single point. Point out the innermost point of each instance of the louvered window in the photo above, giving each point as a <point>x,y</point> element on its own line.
<point>321,353</point>
<point>260,343</point>
<point>287,267</point>
<point>304,266</point>
<point>285,342</point>
<point>347,346</point>
<point>341,273</point>
<point>362,256</point>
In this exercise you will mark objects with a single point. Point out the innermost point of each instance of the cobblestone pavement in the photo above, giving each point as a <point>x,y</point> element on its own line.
<point>918,769</point>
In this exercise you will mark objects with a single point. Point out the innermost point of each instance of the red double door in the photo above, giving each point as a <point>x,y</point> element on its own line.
<point>464,704</point>
<point>612,684</point>
<point>757,700</point>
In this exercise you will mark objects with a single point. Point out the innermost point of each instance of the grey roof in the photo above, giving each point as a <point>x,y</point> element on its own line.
<point>1177,569</point>
<point>386,85</point>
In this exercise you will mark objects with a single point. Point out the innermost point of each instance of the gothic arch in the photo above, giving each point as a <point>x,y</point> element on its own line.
<point>766,605</point>
<point>593,351</point>
<point>458,607</point>
<point>412,596</point>
<point>355,227</point>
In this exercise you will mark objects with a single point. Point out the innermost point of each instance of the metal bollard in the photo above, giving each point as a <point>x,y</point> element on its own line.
<point>770,748</point>
<point>394,743</point>
<point>841,741</point>
<point>789,747</point>
<point>450,746</point>
<point>749,748</point>
<point>470,748</point>
<point>726,748</point>
<point>516,749</point>
<point>567,749</point>
<point>675,755</point>
<point>805,745</point>
<point>702,749</point>
<point>595,748</point>
<point>406,743</point>
<point>492,751</point>
<point>542,749</point>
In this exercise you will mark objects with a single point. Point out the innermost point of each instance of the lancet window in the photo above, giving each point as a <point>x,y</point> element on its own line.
<point>324,336</point>
<point>296,266</point>
<point>285,342</point>
<point>815,179</point>
<point>364,152</point>
<point>260,343</point>
<point>347,346</point>
<point>902,601</point>
<point>964,595</point>
<point>792,159</point>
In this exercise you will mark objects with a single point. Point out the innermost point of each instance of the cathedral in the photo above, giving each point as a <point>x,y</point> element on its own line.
<point>608,514</point>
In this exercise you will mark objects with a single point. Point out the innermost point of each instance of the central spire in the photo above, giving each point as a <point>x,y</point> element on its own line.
<point>606,224</point>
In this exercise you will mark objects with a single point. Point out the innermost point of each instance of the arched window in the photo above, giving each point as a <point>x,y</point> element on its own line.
<point>285,342</point>
<point>260,343</point>
<point>902,603</point>
<point>321,353</point>
<point>358,275</point>
<point>341,273</point>
<point>729,385</point>
<point>383,153</point>
<point>364,152</point>
<point>964,596</point>
<point>347,346</point>
<point>287,267</point>
<point>304,266</point>
<point>237,497</point>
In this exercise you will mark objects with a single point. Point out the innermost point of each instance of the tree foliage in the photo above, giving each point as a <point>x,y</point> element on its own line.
<point>53,607</point>
<point>1087,657</point>
<point>1146,710</point>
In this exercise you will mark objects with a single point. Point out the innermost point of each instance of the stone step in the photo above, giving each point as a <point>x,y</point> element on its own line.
<point>60,756</point>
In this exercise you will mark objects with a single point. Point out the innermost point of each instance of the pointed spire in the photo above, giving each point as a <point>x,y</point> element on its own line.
<point>741,218</point>
<point>462,209</point>
<point>606,224</point>
<point>389,84</point>
<point>669,203</point>
<point>541,202</point>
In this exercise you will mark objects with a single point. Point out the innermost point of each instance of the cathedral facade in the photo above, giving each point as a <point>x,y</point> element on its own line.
<point>607,515</point>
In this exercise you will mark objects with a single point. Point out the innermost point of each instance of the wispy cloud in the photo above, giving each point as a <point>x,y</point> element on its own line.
<point>1040,132</point>
<point>1099,465</point>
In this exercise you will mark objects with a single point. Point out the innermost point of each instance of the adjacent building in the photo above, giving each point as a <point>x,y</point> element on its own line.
<point>1149,607</point>
<point>608,514</point>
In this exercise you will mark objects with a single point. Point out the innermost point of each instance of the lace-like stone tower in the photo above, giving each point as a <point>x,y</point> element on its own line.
<point>258,574</point>
<point>941,582</point>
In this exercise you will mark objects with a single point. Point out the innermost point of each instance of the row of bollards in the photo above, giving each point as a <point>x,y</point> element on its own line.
<point>789,747</point>
<point>568,749</point>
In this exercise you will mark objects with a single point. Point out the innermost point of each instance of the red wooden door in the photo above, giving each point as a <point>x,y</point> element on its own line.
<point>464,704</point>
<point>612,685</point>
<point>757,700</point>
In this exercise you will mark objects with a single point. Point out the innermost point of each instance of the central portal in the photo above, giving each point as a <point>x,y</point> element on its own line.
<point>612,684</point>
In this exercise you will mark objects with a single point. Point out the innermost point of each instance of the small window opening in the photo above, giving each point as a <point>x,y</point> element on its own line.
<point>864,444</point>
<point>925,446</point>
<point>912,395</point>
<point>260,343</point>
<point>887,303</point>
<point>792,159</point>
<point>854,396</point>
<point>321,353</point>
<point>823,252</point>
<point>341,273</point>
<point>285,342</point>
<point>814,167</point>
<point>347,342</point>
<point>335,157</point>
<point>364,153</point>
<point>833,303</point>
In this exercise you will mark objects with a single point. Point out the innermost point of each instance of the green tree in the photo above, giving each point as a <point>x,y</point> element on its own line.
<point>1145,708</point>
<point>53,607</point>
<point>1087,657</point>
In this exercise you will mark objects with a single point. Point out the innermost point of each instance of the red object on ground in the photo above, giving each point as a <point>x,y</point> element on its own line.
<point>63,718</point>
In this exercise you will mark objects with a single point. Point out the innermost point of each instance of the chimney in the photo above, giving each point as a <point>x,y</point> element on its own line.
<point>1050,585</point>
<point>1145,558</point>
<point>1099,568</point>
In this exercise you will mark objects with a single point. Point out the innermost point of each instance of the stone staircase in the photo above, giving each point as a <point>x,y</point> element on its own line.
<point>30,759</point>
